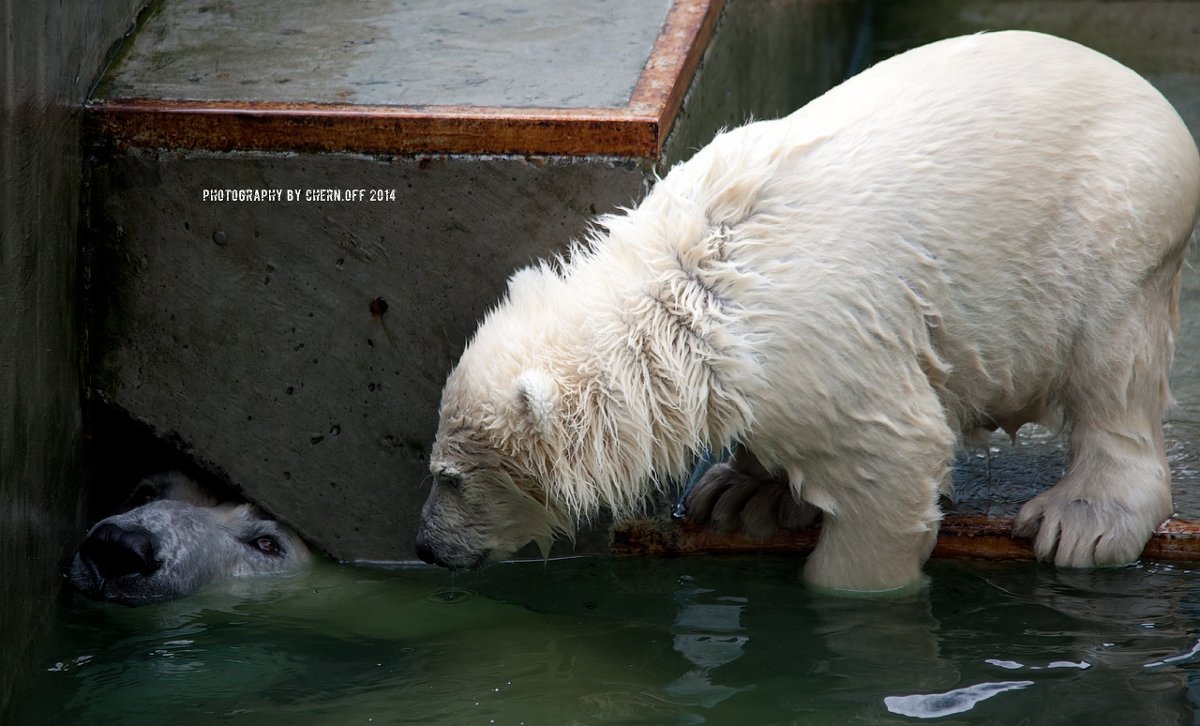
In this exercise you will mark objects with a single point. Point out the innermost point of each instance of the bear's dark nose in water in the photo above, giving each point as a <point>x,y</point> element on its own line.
<point>426,554</point>
<point>111,551</point>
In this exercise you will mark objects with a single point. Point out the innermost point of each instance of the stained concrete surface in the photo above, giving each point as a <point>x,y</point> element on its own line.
<point>299,349</point>
<point>541,53</point>
<point>765,61</point>
<point>50,55</point>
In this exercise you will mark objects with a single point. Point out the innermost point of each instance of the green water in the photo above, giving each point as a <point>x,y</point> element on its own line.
<point>699,640</point>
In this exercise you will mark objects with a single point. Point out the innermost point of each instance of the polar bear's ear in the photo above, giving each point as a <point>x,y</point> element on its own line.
<point>539,397</point>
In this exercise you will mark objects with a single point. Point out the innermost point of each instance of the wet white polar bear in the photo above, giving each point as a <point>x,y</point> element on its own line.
<point>975,234</point>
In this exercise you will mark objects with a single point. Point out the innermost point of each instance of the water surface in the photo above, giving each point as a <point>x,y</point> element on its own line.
<point>700,640</point>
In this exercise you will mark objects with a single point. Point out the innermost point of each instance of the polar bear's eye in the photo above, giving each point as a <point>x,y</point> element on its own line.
<point>267,545</point>
<point>143,494</point>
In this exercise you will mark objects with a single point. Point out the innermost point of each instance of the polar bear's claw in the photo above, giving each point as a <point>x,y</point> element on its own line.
<point>728,500</point>
<point>1085,531</point>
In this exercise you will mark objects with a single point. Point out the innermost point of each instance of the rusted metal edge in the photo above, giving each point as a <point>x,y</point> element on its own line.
<point>961,536</point>
<point>672,64</point>
<point>636,130</point>
<point>261,126</point>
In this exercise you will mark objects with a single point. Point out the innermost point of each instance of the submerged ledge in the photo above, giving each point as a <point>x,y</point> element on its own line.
<point>960,536</point>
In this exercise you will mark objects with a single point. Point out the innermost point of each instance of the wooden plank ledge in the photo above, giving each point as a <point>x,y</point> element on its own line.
<point>960,536</point>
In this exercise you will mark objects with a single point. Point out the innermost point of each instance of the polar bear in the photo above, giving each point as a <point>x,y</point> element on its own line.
<point>976,234</point>
<point>173,539</point>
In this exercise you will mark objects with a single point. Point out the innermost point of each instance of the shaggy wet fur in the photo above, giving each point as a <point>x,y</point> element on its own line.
<point>973,235</point>
<point>175,538</point>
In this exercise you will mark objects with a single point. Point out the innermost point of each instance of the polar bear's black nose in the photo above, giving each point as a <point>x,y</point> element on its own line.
<point>113,551</point>
<point>426,554</point>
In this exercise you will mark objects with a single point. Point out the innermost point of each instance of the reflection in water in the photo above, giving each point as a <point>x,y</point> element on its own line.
<point>680,641</point>
<point>936,705</point>
<point>1188,657</point>
<point>1014,666</point>
<point>708,636</point>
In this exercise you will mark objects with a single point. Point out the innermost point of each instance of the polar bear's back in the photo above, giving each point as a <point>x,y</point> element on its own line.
<point>999,192</point>
<point>1000,139</point>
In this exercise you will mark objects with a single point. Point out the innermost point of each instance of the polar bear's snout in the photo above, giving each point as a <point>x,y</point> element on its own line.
<point>443,540</point>
<point>112,551</point>
<point>475,516</point>
<point>436,549</point>
<point>453,527</point>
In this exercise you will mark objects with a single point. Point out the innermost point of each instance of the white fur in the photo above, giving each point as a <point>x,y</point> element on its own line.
<point>539,392</point>
<point>981,232</point>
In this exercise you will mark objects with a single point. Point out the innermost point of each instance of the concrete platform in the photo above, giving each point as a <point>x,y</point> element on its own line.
<point>500,53</point>
<point>296,349</point>
<point>391,77</point>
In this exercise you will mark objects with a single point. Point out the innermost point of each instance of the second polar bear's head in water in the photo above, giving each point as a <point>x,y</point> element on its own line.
<point>173,538</point>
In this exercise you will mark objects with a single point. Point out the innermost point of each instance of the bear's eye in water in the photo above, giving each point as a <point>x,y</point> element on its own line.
<point>142,494</point>
<point>267,545</point>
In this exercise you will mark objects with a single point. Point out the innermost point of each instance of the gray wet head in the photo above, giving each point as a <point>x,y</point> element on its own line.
<point>174,539</point>
<point>477,516</point>
<point>446,536</point>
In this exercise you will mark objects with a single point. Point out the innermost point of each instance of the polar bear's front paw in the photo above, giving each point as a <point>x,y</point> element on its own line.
<point>727,500</point>
<point>1082,530</point>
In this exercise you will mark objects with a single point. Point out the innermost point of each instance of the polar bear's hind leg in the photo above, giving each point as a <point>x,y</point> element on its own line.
<point>1117,487</point>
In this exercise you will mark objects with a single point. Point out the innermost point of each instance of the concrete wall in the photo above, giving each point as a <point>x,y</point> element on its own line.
<point>1159,39</point>
<point>767,59</point>
<point>49,56</point>
<point>253,334</point>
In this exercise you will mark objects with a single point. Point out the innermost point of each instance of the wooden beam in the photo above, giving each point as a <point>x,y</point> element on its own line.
<point>961,536</point>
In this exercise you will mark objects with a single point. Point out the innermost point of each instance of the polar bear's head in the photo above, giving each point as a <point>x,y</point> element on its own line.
<point>556,412</point>
<point>498,482</point>
<point>491,467</point>
<point>173,539</point>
